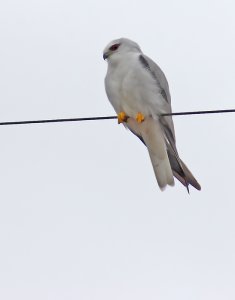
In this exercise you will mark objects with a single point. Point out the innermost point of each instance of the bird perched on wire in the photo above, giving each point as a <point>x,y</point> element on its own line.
<point>138,90</point>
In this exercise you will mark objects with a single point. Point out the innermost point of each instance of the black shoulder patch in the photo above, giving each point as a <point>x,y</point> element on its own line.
<point>144,61</point>
<point>146,65</point>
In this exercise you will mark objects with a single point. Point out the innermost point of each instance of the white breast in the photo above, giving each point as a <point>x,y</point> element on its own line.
<point>132,89</point>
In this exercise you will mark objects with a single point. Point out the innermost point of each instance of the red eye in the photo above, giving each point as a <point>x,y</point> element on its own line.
<point>114,47</point>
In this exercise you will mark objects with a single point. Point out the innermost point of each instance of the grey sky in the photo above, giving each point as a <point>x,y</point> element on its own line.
<point>81,216</point>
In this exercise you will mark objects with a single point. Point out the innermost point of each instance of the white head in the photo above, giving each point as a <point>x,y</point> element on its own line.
<point>120,46</point>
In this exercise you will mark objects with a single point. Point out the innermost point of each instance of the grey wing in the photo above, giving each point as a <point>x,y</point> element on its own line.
<point>161,81</point>
<point>180,170</point>
<point>158,76</point>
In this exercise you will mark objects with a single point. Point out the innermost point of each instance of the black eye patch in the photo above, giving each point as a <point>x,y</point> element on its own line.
<point>114,47</point>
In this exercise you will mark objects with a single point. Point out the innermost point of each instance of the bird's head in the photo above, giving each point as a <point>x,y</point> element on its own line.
<point>119,47</point>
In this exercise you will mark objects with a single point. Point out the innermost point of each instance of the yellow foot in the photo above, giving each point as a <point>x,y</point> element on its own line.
<point>139,117</point>
<point>122,117</point>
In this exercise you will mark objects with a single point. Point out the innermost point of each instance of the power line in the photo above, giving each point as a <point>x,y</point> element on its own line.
<point>57,120</point>
<point>201,112</point>
<point>220,111</point>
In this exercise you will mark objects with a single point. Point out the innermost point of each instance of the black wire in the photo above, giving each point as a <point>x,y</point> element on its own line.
<point>57,120</point>
<point>113,117</point>
<point>200,112</point>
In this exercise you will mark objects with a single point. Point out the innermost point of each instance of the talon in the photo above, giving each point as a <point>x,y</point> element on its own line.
<point>139,117</point>
<point>122,117</point>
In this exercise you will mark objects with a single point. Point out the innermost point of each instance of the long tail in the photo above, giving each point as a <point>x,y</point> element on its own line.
<point>181,171</point>
<point>150,132</point>
<point>163,153</point>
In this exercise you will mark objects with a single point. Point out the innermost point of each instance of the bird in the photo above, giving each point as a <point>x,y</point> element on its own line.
<point>139,92</point>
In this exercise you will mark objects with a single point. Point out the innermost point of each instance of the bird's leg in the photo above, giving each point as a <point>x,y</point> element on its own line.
<point>122,117</point>
<point>139,117</point>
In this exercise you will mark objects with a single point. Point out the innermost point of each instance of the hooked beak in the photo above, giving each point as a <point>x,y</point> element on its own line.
<point>105,55</point>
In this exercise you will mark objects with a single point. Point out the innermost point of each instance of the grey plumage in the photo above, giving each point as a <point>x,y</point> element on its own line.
<point>136,84</point>
<point>180,170</point>
<point>158,75</point>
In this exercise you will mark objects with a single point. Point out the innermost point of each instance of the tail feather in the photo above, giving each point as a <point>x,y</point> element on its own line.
<point>151,133</point>
<point>181,172</point>
<point>162,171</point>
<point>163,153</point>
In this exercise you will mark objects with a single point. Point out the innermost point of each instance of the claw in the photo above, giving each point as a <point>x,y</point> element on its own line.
<point>139,117</point>
<point>122,117</point>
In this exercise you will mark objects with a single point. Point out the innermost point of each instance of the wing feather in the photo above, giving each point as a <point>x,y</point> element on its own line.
<point>157,74</point>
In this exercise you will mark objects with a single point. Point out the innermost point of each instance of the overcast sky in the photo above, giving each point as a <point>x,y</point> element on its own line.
<point>81,215</point>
